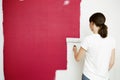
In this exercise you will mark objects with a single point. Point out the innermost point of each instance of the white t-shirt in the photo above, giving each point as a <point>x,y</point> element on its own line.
<point>98,53</point>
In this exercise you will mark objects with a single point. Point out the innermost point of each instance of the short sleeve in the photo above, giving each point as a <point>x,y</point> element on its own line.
<point>84,43</point>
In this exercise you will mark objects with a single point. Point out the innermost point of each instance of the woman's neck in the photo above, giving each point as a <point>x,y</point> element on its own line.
<point>95,30</point>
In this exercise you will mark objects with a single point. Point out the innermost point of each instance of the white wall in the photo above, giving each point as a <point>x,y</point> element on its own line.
<point>1,43</point>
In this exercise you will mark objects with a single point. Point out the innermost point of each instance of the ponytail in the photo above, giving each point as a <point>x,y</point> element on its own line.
<point>103,31</point>
<point>99,20</point>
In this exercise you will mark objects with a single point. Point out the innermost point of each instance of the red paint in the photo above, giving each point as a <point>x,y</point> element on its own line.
<point>35,34</point>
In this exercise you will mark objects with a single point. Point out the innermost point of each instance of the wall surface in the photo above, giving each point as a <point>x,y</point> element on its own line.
<point>111,10</point>
<point>35,34</point>
<point>1,43</point>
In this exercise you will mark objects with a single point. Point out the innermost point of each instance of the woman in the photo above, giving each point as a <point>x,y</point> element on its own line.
<point>99,49</point>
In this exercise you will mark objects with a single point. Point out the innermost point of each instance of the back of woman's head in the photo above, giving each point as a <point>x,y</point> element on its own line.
<point>99,20</point>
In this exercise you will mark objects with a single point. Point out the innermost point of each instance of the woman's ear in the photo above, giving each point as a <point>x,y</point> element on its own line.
<point>92,23</point>
<point>91,26</point>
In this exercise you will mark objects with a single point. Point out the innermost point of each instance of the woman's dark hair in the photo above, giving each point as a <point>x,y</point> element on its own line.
<point>99,20</point>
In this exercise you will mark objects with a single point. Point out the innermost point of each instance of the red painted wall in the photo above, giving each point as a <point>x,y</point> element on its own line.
<point>35,34</point>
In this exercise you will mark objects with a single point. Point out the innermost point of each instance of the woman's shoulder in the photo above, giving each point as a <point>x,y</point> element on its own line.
<point>91,36</point>
<point>110,38</point>
<point>88,38</point>
<point>112,41</point>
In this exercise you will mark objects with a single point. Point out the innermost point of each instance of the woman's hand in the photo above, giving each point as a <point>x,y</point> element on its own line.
<point>74,49</point>
<point>79,54</point>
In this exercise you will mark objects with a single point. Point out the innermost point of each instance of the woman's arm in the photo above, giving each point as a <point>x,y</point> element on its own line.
<point>112,59</point>
<point>78,54</point>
